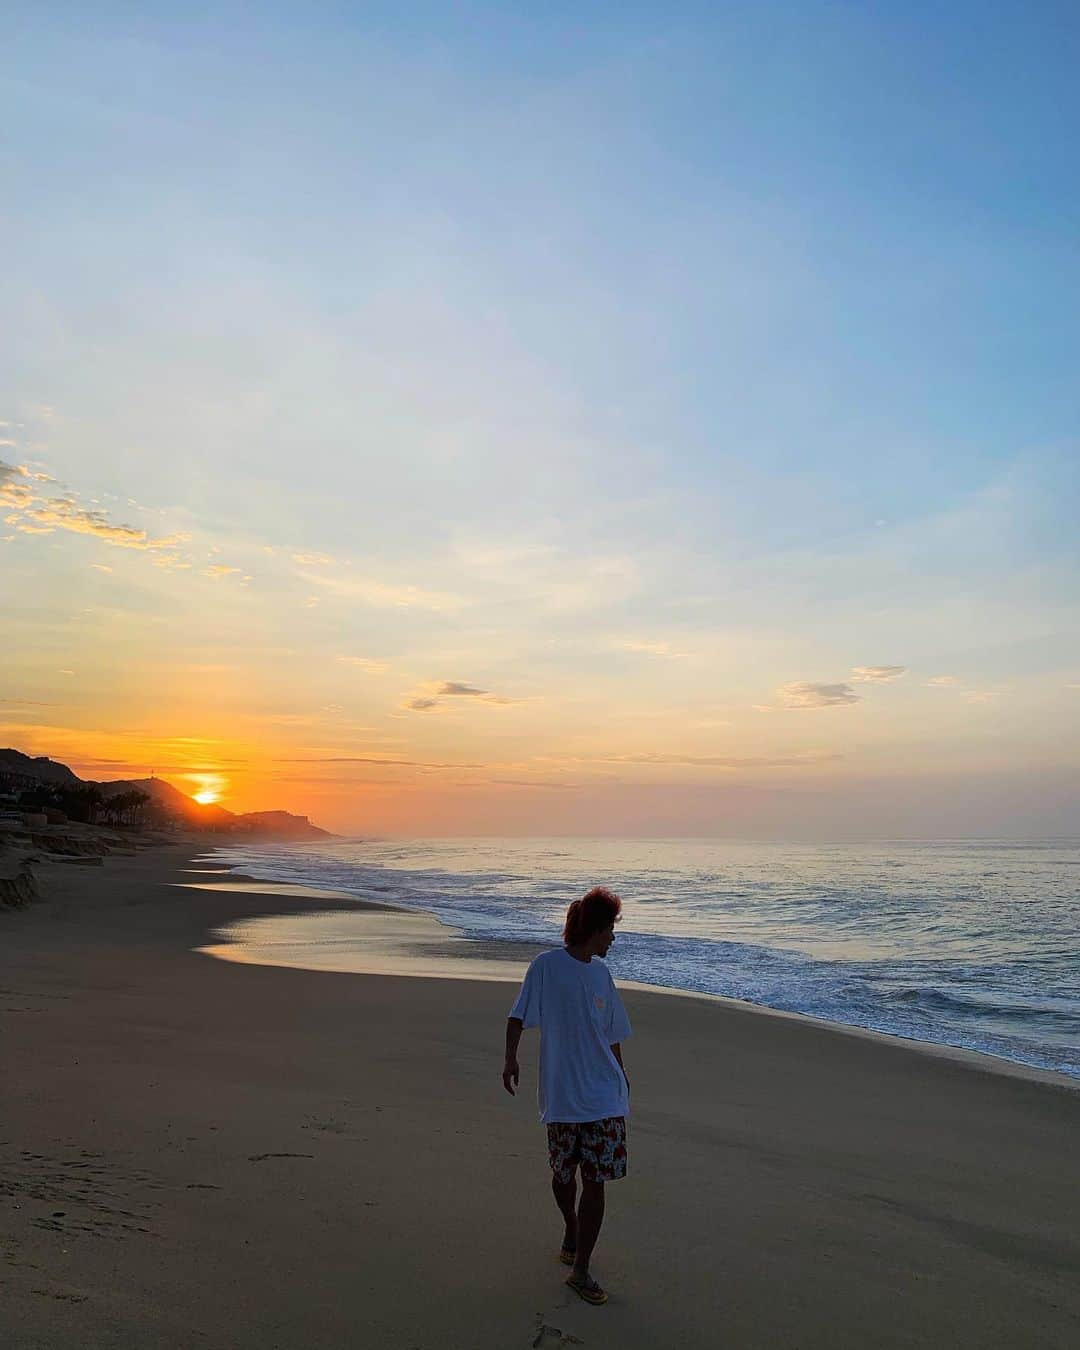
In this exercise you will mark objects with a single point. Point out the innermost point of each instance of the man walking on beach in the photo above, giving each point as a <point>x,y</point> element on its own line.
<point>583,1092</point>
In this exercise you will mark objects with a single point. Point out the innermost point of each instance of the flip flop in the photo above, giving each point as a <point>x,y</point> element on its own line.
<point>567,1254</point>
<point>587,1289</point>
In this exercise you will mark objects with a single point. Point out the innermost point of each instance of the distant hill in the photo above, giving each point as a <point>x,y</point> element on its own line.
<point>19,772</point>
<point>171,799</point>
<point>281,824</point>
<point>13,763</point>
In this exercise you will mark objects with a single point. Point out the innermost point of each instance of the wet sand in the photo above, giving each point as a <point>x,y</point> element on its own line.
<point>209,1152</point>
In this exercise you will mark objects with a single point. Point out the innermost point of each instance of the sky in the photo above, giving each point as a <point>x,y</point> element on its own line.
<point>568,419</point>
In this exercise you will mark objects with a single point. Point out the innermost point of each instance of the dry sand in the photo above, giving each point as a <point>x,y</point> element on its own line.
<point>203,1153</point>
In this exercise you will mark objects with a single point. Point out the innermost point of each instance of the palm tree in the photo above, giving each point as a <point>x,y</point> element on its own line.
<point>81,803</point>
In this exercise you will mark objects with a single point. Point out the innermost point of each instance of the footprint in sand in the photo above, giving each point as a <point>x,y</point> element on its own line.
<point>549,1338</point>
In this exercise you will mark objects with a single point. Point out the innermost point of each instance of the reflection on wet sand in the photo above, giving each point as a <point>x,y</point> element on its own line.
<point>368,939</point>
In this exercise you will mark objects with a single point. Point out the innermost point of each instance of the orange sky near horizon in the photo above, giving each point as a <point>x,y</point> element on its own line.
<point>525,695</point>
<point>387,792</point>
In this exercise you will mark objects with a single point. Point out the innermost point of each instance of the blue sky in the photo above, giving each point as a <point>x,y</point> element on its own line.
<point>744,337</point>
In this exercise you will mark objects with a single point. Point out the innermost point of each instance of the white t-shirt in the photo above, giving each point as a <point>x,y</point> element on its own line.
<point>580,1015</point>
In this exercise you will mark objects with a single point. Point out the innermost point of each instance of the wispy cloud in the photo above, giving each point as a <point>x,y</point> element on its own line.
<point>526,783</point>
<point>383,595</point>
<point>966,694</point>
<point>25,528</point>
<point>219,570</point>
<point>711,761</point>
<point>38,514</point>
<point>545,574</point>
<point>364,663</point>
<point>64,513</point>
<point>376,760</point>
<point>16,491</point>
<point>877,674</point>
<point>648,647</point>
<point>433,696</point>
<point>802,694</point>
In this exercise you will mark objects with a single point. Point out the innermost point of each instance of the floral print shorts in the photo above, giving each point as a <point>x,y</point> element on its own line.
<point>597,1146</point>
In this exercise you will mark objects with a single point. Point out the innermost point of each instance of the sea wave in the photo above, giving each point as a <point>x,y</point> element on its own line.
<point>969,945</point>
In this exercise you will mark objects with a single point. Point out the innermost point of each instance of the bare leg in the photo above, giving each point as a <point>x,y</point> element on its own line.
<point>565,1194</point>
<point>590,1217</point>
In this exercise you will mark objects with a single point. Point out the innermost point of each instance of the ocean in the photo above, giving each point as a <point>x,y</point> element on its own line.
<point>973,944</point>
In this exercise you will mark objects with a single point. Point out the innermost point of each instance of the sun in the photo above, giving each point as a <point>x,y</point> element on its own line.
<point>210,787</point>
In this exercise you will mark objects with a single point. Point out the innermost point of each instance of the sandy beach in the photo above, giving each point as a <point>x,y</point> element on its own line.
<point>198,1152</point>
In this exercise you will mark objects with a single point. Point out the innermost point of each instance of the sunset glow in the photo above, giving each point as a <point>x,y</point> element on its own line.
<point>553,466</point>
<point>205,788</point>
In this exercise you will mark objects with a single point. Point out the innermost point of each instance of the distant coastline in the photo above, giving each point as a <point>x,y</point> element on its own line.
<point>36,786</point>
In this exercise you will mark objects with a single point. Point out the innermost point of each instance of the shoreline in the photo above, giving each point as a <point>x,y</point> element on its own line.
<point>187,1135</point>
<point>458,948</point>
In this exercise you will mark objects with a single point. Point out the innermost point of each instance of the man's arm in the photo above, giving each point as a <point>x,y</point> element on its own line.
<point>616,1050</point>
<point>514,1027</point>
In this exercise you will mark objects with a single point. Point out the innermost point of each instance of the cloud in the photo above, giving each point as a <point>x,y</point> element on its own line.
<point>363,663</point>
<point>380,595</point>
<point>218,571</point>
<point>968,695</point>
<point>648,648</point>
<point>376,760</point>
<point>101,567</point>
<point>802,694</point>
<point>312,559</point>
<point>432,696</point>
<point>543,574</point>
<point>457,689</point>
<point>877,674</point>
<point>43,514</point>
<point>15,488</point>
<point>64,513</point>
<point>524,783</point>
<point>720,761</point>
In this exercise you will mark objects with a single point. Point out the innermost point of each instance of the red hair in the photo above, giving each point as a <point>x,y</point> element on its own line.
<point>595,911</point>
